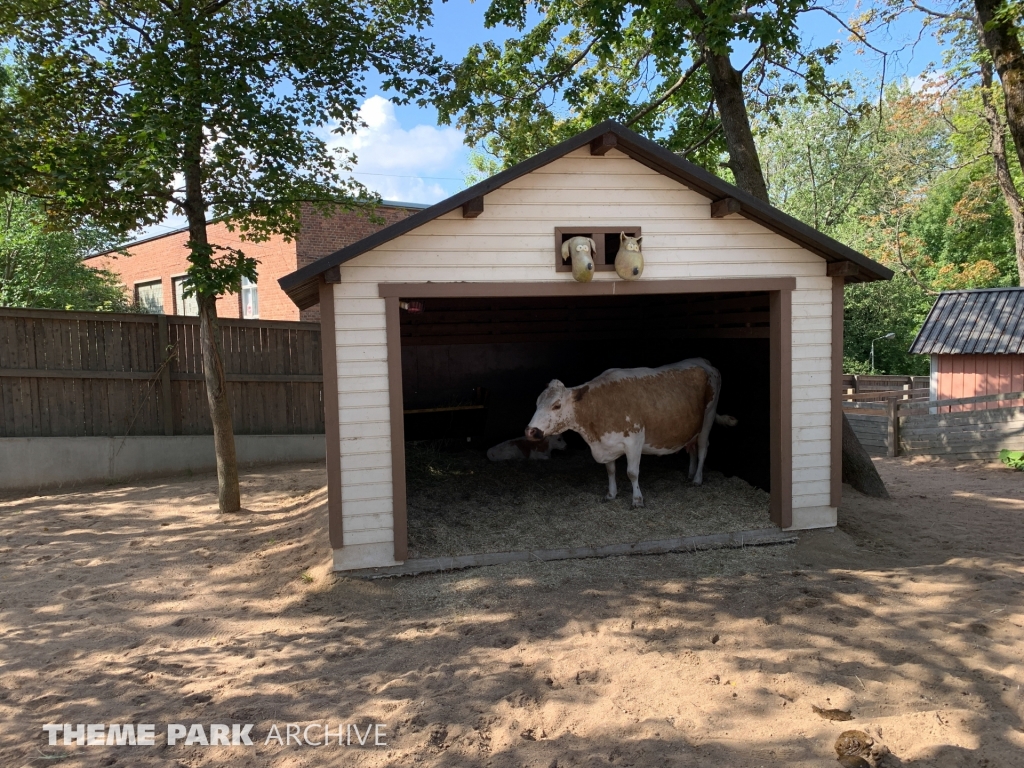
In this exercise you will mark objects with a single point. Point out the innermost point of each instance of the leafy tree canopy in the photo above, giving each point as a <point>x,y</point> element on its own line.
<point>43,268</point>
<point>639,62</point>
<point>119,106</point>
<point>908,182</point>
<point>123,108</point>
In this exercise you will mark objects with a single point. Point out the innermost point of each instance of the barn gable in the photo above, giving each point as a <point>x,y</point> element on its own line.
<point>606,140</point>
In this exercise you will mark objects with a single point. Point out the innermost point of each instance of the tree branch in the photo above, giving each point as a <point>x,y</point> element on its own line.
<point>654,105</point>
<point>938,14</point>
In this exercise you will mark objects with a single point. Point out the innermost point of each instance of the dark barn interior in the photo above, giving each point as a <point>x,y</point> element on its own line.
<point>473,367</point>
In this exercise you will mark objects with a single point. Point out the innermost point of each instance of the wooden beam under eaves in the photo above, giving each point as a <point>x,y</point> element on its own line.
<point>724,207</point>
<point>473,208</point>
<point>603,143</point>
<point>332,275</point>
<point>842,269</point>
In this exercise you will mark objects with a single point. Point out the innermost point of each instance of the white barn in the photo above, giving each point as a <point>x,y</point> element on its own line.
<point>726,276</point>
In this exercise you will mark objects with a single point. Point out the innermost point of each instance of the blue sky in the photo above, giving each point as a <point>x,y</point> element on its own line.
<point>403,154</point>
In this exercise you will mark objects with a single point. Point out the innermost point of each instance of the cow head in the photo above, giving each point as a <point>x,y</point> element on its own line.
<point>554,412</point>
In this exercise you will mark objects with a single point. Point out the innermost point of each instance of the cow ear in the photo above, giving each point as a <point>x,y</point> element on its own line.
<point>577,394</point>
<point>565,251</point>
<point>622,237</point>
<point>639,240</point>
<point>593,245</point>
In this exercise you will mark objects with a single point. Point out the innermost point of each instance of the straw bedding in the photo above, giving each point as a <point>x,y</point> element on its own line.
<point>460,503</point>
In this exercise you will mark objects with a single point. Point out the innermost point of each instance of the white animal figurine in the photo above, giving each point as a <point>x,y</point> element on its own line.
<point>523,448</point>
<point>632,411</point>
<point>581,250</point>
<point>629,261</point>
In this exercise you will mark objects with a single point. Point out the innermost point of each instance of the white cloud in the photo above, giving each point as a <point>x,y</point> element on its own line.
<point>418,165</point>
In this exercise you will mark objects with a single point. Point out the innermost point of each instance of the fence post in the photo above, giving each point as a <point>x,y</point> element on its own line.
<point>166,405</point>
<point>894,427</point>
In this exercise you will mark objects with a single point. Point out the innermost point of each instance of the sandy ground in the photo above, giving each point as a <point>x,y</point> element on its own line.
<point>140,604</point>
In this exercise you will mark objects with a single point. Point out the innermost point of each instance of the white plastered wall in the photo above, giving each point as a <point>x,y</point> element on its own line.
<point>513,241</point>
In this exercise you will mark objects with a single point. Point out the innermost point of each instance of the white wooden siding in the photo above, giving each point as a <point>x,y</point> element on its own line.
<point>513,240</point>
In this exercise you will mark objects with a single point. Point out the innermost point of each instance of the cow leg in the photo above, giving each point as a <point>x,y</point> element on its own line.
<point>633,453</point>
<point>693,460</point>
<point>612,488</point>
<point>702,447</point>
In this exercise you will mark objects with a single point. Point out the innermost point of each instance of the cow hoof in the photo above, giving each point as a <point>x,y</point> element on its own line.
<point>638,502</point>
<point>609,497</point>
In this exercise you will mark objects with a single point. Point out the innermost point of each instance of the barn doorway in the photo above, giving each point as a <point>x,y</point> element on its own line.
<point>471,368</point>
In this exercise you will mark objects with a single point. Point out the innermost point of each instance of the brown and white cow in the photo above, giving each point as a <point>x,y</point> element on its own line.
<point>632,411</point>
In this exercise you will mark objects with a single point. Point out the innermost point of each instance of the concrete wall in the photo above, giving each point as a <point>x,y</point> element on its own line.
<point>46,462</point>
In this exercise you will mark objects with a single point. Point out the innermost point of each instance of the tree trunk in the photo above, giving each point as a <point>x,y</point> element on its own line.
<point>727,84</point>
<point>228,495</point>
<point>997,146</point>
<point>744,161</point>
<point>1003,44</point>
<point>858,469</point>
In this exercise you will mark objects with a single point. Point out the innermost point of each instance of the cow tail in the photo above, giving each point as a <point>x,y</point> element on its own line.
<point>726,421</point>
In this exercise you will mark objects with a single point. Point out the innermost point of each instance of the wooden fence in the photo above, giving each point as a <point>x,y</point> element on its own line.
<point>856,384</point>
<point>77,374</point>
<point>964,428</point>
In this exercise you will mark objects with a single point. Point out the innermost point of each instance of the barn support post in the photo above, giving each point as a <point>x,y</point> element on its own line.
<point>836,434</point>
<point>332,424</point>
<point>781,392</point>
<point>399,505</point>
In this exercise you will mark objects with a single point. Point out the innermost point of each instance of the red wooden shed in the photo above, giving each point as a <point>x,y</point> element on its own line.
<point>976,343</point>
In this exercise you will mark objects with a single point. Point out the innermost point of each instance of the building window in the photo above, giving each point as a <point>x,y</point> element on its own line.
<point>250,300</point>
<point>183,305</point>
<point>150,297</point>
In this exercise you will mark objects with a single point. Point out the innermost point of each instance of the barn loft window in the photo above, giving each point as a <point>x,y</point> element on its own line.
<point>606,240</point>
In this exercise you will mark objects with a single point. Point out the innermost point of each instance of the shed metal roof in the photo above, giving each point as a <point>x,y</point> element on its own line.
<point>980,322</point>
<point>302,286</point>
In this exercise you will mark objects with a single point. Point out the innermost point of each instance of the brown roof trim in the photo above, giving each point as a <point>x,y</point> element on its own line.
<point>302,285</point>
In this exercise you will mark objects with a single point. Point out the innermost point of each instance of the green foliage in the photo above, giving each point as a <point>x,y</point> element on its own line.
<point>122,109</point>
<point>1012,459</point>
<point>874,309</point>
<point>481,167</point>
<point>636,61</point>
<point>44,269</point>
<point>907,183</point>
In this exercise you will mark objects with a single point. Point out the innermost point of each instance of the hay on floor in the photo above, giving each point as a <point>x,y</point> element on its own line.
<point>460,503</point>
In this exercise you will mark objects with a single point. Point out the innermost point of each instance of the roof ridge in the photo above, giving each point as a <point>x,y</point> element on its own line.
<point>302,285</point>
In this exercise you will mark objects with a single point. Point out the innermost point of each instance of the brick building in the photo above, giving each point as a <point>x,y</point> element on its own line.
<point>155,268</point>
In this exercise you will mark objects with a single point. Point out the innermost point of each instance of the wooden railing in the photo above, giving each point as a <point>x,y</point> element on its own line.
<point>915,425</point>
